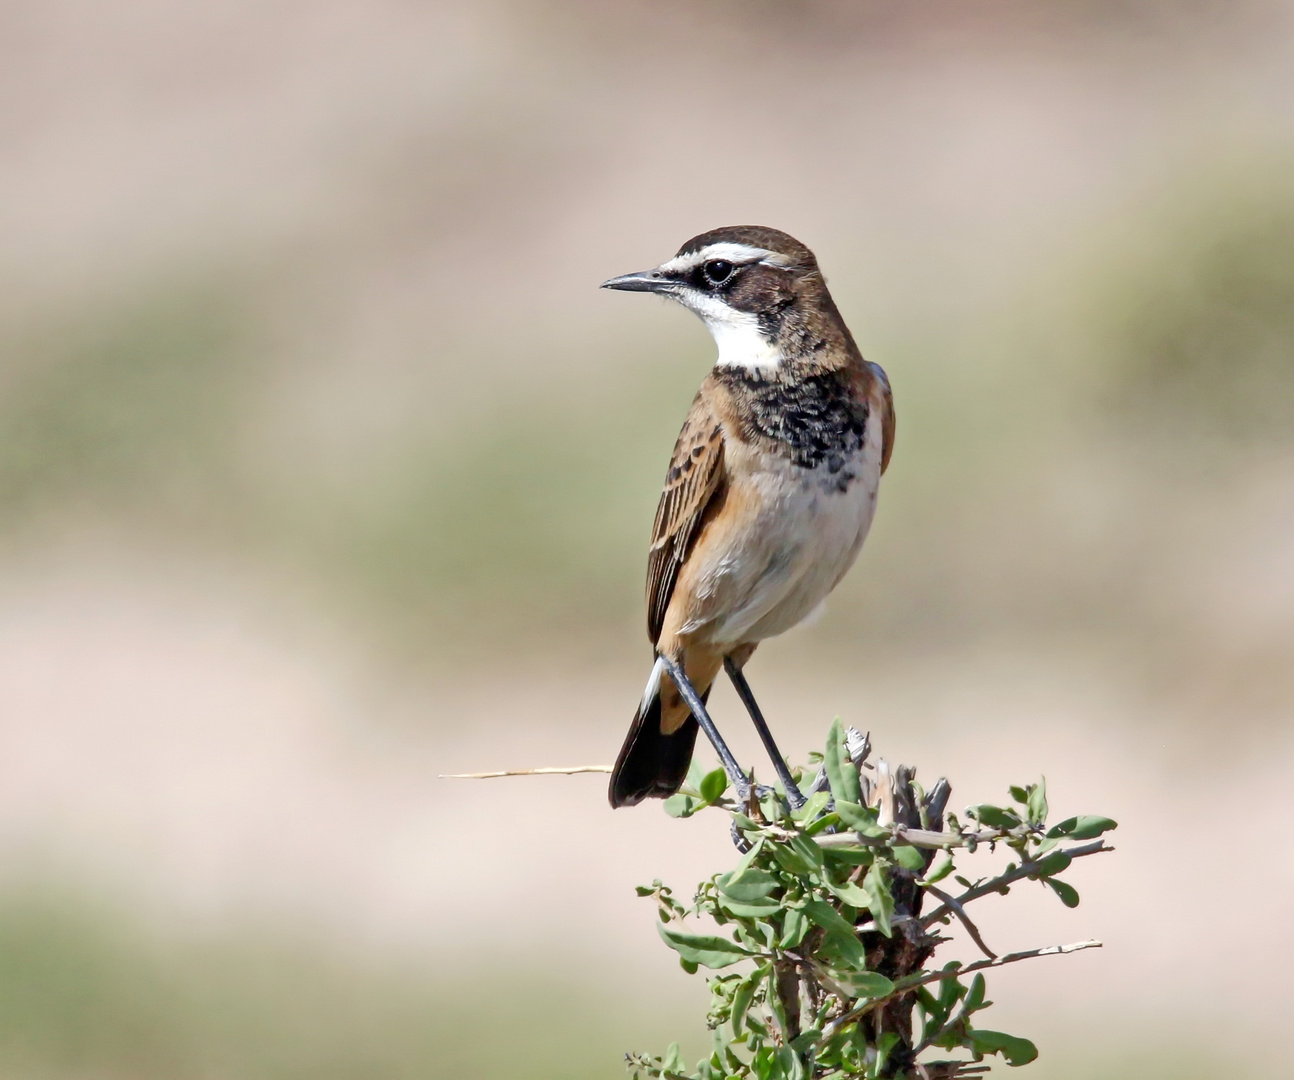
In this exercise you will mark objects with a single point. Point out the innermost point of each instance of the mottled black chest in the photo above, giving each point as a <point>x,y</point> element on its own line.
<point>815,420</point>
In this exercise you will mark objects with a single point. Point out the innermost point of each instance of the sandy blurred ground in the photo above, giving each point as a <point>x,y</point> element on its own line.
<point>325,468</point>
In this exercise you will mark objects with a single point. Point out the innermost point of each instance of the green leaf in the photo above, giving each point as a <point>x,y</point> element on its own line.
<point>1019,794</point>
<point>747,884</point>
<point>838,858</point>
<point>1052,864</point>
<point>975,996</point>
<point>809,850</point>
<point>743,996</point>
<point>772,807</point>
<point>1038,802</point>
<point>880,902</point>
<point>864,984</point>
<point>813,806</point>
<point>748,860</point>
<point>681,806</point>
<point>806,1040</point>
<point>709,950</point>
<point>843,953</point>
<point>794,927</point>
<point>1016,1051</point>
<point>950,989</point>
<point>817,825</point>
<point>673,1059</point>
<point>994,816</point>
<point>861,819</point>
<point>849,893</point>
<point>761,935</point>
<point>713,785</point>
<point>756,910</point>
<point>908,857</point>
<point>1083,827</point>
<point>828,918</point>
<point>841,936</point>
<point>939,869</point>
<point>774,1001</point>
<point>799,856</point>
<point>791,1065</point>
<point>791,861</point>
<point>1067,893</point>
<point>695,774</point>
<point>841,773</point>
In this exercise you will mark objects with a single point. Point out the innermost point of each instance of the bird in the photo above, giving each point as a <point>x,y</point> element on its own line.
<point>769,495</point>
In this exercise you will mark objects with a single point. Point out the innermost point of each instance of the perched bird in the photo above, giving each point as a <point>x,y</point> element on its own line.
<point>769,495</point>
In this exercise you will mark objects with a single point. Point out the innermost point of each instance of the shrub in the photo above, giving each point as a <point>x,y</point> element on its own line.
<point>830,921</point>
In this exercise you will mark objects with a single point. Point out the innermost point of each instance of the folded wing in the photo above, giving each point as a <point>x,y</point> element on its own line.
<point>696,474</point>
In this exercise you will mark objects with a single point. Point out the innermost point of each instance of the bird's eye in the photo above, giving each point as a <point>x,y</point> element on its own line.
<point>717,271</point>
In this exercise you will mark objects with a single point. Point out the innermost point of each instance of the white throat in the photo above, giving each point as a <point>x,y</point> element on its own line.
<point>741,345</point>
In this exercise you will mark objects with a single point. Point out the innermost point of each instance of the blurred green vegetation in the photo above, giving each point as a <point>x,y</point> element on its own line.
<point>1199,320</point>
<point>84,991</point>
<point>523,516</point>
<point>128,407</point>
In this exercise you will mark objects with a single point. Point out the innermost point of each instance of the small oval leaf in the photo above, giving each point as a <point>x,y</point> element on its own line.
<point>841,772</point>
<point>681,806</point>
<point>1067,893</point>
<point>1015,1050</point>
<point>994,816</point>
<point>713,785</point>
<point>709,950</point>
<point>748,885</point>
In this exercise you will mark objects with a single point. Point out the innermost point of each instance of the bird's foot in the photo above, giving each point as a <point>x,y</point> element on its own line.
<point>790,802</point>
<point>793,794</point>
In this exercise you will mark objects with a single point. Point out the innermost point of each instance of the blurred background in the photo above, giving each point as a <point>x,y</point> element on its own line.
<point>325,468</point>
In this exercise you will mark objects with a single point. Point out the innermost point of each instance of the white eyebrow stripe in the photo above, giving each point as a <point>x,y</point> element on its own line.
<point>741,254</point>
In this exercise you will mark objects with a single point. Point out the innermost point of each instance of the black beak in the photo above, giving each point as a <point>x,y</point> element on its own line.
<point>645,281</point>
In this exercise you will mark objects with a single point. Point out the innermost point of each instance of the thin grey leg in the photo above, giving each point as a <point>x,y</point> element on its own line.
<point>766,736</point>
<point>694,702</point>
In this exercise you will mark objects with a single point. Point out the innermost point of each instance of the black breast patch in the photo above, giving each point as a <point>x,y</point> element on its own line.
<point>814,420</point>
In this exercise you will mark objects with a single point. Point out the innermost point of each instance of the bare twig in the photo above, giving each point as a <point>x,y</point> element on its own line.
<point>904,986</point>
<point>949,1070</point>
<point>554,771</point>
<point>960,912</point>
<point>996,884</point>
<point>927,838</point>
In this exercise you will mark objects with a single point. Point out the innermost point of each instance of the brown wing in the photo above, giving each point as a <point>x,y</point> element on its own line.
<point>695,474</point>
<point>887,415</point>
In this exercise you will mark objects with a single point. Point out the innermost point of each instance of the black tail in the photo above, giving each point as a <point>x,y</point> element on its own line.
<point>652,765</point>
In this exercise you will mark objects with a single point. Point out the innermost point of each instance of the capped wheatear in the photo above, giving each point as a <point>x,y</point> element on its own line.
<point>769,494</point>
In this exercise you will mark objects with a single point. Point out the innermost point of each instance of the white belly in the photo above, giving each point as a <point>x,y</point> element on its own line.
<point>804,535</point>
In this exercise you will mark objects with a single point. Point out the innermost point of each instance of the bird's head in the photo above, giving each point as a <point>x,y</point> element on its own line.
<point>758,290</point>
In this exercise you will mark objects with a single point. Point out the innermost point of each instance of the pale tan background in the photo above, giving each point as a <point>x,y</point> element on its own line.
<point>325,468</point>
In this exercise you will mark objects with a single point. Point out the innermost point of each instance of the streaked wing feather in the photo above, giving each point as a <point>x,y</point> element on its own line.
<point>695,474</point>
